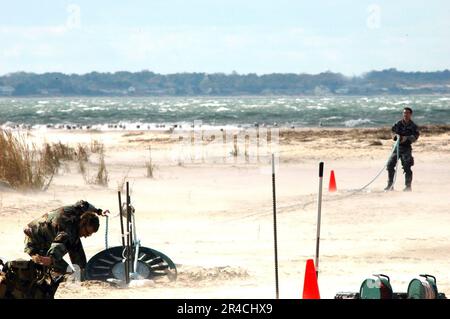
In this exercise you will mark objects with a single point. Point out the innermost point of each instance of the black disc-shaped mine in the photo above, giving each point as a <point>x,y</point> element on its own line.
<point>152,264</point>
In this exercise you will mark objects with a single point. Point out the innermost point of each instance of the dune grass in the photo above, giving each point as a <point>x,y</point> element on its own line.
<point>24,166</point>
<point>102,174</point>
<point>149,164</point>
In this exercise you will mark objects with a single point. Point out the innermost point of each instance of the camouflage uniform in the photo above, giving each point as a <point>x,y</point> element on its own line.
<point>411,131</point>
<point>24,279</point>
<point>57,233</point>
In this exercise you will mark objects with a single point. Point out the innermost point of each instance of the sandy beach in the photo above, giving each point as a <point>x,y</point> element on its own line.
<point>212,215</point>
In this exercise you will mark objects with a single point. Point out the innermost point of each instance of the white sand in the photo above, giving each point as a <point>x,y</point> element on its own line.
<point>215,220</point>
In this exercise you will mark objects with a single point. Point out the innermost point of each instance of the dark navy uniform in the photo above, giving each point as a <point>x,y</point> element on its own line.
<point>411,131</point>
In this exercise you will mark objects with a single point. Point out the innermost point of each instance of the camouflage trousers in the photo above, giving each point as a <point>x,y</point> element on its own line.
<point>407,161</point>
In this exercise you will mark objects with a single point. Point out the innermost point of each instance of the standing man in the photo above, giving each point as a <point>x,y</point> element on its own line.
<point>408,132</point>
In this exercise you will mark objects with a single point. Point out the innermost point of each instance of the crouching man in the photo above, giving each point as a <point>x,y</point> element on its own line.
<point>47,240</point>
<point>50,237</point>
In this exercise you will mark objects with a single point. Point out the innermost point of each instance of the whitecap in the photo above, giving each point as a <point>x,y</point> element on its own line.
<point>402,102</point>
<point>254,106</point>
<point>214,103</point>
<point>96,108</point>
<point>353,123</point>
<point>316,107</point>
<point>222,109</point>
<point>331,118</point>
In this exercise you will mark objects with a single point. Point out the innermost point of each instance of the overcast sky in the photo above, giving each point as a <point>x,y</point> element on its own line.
<point>253,36</point>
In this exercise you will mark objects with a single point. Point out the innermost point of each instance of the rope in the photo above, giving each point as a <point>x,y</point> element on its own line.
<point>107,229</point>
<point>395,147</point>
<point>106,232</point>
<point>353,192</point>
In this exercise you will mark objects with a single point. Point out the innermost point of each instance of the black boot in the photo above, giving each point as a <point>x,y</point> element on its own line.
<point>408,180</point>
<point>390,186</point>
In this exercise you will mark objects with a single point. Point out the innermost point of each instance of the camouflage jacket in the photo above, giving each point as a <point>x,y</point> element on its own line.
<point>410,130</point>
<point>57,233</point>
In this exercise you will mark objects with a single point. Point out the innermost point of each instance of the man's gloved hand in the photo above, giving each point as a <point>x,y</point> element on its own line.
<point>403,139</point>
<point>101,212</point>
<point>42,260</point>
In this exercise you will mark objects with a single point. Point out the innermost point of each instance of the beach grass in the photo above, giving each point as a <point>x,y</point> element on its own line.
<point>24,166</point>
<point>149,164</point>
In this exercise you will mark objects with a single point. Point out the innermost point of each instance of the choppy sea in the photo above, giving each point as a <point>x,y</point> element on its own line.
<point>158,112</point>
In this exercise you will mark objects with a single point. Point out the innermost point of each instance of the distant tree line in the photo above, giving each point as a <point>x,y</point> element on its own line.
<point>147,83</point>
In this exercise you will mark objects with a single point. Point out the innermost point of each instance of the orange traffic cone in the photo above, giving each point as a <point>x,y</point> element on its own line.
<point>310,286</point>
<point>332,186</point>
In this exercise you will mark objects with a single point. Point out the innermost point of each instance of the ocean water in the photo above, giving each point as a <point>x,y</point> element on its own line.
<point>157,112</point>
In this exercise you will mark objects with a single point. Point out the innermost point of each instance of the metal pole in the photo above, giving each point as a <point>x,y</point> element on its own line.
<point>136,243</point>
<point>397,149</point>
<point>127,267</point>
<point>121,219</point>
<point>130,223</point>
<point>124,244</point>
<point>275,227</point>
<point>319,217</point>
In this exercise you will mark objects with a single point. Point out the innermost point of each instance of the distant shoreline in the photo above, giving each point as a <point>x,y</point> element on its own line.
<point>147,83</point>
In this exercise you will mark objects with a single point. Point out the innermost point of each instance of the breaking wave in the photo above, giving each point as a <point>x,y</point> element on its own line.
<point>353,123</point>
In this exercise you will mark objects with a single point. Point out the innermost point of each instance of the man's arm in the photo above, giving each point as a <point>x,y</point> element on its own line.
<point>394,131</point>
<point>88,207</point>
<point>58,248</point>
<point>56,252</point>
<point>64,244</point>
<point>77,254</point>
<point>415,136</point>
